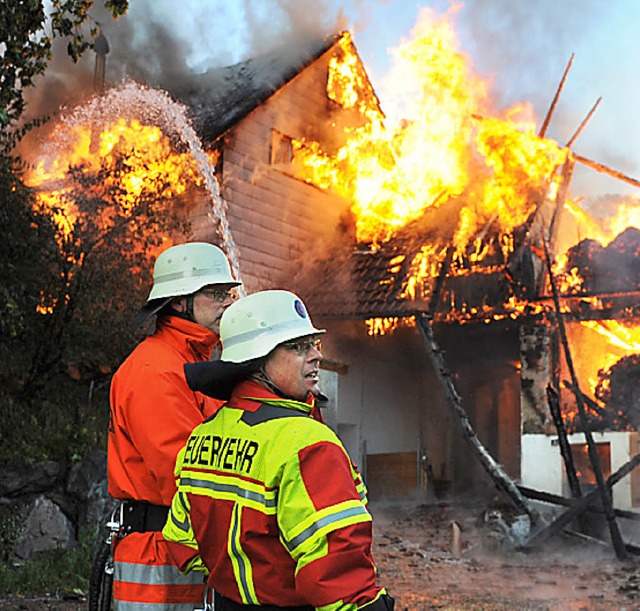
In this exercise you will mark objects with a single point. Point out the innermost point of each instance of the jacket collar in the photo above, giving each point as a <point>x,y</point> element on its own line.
<point>198,339</point>
<point>249,395</point>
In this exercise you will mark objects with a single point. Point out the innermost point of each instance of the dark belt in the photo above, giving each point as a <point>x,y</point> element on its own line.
<point>222,603</point>
<point>142,517</point>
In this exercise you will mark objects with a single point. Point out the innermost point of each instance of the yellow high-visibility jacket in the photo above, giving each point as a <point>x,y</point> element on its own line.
<point>270,505</point>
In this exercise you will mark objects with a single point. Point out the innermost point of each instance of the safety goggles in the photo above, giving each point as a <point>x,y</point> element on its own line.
<point>303,346</point>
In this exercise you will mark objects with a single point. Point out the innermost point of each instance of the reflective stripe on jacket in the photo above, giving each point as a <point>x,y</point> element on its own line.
<point>153,411</point>
<point>145,577</point>
<point>270,504</point>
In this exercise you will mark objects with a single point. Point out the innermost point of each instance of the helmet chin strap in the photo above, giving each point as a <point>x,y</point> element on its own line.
<point>262,377</point>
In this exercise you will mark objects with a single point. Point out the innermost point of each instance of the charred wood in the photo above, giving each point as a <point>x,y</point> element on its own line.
<point>554,499</point>
<point>444,270</point>
<point>599,419</point>
<point>554,103</point>
<point>565,446</point>
<point>594,459</point>
<point>561,196</point>
<point>583,124</point>
<point>599,167</point>
<point>578,507</point>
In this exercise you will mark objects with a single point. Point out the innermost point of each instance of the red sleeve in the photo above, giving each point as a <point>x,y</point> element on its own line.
<point>347,571</point>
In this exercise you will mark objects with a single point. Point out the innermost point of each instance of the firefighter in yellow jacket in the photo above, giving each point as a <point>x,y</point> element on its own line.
<point>269,504</point>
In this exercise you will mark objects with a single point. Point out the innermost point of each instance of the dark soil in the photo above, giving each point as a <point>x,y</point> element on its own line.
<point>413,550</point>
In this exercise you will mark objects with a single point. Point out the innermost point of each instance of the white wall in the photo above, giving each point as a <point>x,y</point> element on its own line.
<point>543,467</point>
<point>381,393</point>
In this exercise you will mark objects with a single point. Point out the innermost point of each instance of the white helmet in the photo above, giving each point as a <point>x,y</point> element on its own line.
<point>186,268</point>
<point>183,270</point>
<point>253,326</point>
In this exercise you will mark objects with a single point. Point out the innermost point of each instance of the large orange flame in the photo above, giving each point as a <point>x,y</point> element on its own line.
<point>447,144</point>
<point>148,160</point>
<point>596,347</point>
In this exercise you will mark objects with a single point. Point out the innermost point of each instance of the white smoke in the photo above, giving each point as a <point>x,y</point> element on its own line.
<point>521,47</point>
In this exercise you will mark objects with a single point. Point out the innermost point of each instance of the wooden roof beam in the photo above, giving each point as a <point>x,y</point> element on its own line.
<point>554,103</point>
<point>599,167</point>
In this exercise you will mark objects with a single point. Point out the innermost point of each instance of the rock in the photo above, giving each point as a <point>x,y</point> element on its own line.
<point>20,479</point>
<point>85,473</point>
<point>46,527</point>
<point>88,483</point>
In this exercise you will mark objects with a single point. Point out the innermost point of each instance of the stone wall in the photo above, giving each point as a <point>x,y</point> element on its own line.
<point>47,504</point>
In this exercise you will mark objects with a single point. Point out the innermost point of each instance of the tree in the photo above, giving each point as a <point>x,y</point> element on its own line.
<point>26,38</point>
<point>87,269</point>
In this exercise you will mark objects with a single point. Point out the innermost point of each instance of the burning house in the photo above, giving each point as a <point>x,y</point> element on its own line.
<point>377,227</point>
<point>289,138</point>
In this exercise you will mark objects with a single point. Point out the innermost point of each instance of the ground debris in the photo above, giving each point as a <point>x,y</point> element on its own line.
<point>412,548</point>
<point>413,551</point>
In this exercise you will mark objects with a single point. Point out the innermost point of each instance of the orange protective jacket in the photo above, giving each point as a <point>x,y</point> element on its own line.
<point>153,412</point>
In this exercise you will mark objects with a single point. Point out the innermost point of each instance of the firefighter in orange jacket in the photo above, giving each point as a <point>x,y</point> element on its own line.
<point>153,411</point>
<point>269,505</point>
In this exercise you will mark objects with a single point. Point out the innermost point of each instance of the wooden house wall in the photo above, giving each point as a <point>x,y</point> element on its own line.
<point>385,394</point>
<point>278,222</point>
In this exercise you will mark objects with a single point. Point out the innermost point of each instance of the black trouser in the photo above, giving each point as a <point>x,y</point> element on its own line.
<point>222,603</point>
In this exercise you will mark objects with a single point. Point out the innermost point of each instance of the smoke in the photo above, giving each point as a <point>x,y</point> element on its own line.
<point>160,45</point>
<point>521,47</point>
<point>525,47</point>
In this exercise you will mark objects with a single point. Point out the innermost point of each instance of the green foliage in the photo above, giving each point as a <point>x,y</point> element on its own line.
<point>68,302</point>
<point>69,291</point>
<point>29,258</point>
<point>27,37</point>
<point>29,261</point>
<point>51,571</point>
<point>66,295</point>
<point>63,423</point>
<point>105,269</point>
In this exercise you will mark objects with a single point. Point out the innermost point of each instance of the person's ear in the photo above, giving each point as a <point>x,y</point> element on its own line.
<point>179,304</point>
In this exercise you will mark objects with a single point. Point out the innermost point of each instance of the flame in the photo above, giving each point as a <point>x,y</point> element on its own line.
<point>618,334</point>
<point>601,345</point>
<point>384,325</point>
<point>142,161</point>
<point>148,159</point>
<point>604,229</point>
<point>447,144</point>
<point>443,153</point>
<point>627,215</point>
<point>423,269</point>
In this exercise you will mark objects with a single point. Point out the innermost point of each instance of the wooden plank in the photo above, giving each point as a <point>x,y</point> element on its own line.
<point>554,499</point>
<point>543,533</point>
<point>594,459</point>
<point>391,475</point>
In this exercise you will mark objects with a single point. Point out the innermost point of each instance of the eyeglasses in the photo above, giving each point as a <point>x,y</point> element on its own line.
<point>219,294</point>
<point>302,346</point>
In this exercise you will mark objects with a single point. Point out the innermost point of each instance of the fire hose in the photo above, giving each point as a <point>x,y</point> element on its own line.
<point>101,579</point>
